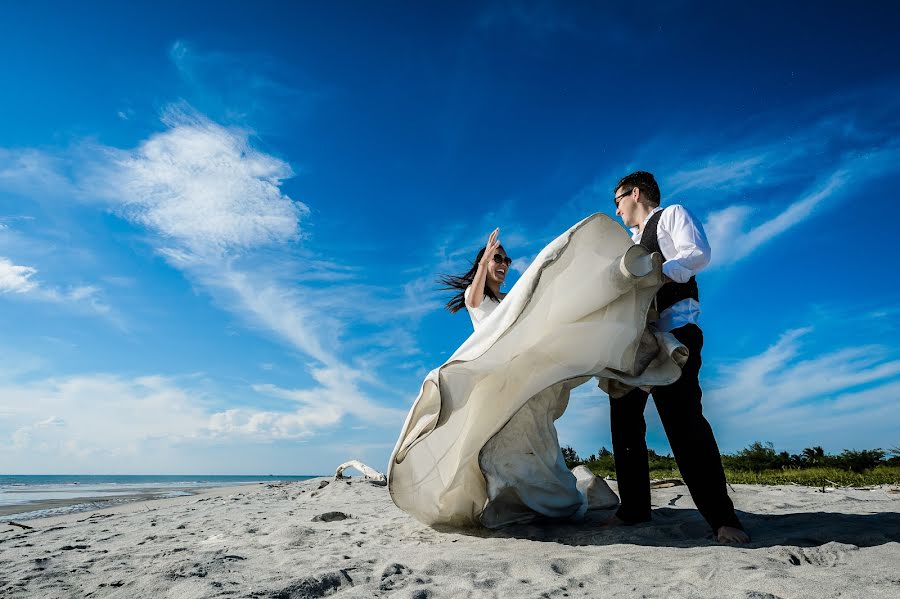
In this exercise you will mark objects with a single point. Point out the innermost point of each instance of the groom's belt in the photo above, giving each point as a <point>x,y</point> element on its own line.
<point>672,293</point>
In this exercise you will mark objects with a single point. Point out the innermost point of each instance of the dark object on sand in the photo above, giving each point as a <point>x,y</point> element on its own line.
<point>323,484</point>
<point>11,523</point>
<point>330,517</point>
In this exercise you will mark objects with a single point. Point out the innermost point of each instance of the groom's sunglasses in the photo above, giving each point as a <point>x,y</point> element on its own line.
<point>622,195</point>
<point>500,259</point>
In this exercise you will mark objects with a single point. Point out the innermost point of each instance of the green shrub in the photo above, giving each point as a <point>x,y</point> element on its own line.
<point>755,458</point>
<point>661,462</point>
<point>859,461</point>
<point>603,465</point>
<point>759,463</point>
<point>894,460</point>
<point>571,457</point>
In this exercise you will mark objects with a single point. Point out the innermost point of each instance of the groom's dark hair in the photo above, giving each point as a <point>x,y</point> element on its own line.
<point>643,181</point>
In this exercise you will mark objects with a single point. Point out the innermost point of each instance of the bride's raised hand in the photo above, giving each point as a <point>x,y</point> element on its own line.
<point>491,246</point>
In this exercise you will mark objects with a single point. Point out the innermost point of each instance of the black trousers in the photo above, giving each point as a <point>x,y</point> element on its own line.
<point>690,436</point>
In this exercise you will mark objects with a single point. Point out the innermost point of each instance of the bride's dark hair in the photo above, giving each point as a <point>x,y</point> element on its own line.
<point>460,282</point>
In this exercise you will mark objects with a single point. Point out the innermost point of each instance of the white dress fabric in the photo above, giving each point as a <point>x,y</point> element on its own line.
<point>479,445</point>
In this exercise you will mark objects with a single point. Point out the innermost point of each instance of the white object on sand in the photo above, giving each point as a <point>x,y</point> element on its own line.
<point>369,472</point>
<point>479,445</point>
<point>596,492</point>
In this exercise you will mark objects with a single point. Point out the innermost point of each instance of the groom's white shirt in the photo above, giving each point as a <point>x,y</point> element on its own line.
<point>686,251</point>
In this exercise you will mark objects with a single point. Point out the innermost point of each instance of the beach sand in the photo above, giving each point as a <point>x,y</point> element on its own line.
<point>262,541</point>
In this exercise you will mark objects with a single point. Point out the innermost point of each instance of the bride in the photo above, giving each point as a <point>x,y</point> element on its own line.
<point>479,288</point>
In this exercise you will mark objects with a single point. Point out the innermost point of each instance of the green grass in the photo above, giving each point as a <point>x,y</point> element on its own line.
<point>818,477</point>
<point>812,477</point>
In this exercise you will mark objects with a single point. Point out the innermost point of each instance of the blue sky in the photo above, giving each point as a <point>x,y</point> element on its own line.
<point>221,224</point>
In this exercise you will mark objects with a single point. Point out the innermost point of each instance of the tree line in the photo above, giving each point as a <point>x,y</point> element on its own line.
<point>757,457</point>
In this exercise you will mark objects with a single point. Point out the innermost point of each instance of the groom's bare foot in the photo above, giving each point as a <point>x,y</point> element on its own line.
<point>614,521</point>
<point>732,536</point>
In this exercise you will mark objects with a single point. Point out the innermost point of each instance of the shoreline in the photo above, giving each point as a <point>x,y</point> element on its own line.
<point>127,508</point>
<point>50,508</point>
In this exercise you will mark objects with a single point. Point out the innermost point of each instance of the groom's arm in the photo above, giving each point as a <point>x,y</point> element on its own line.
<point>692,251</point>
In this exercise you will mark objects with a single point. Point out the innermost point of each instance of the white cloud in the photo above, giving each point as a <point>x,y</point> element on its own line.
<point>723,173</point>
<point>213,205</point>
<point>753,164</point>
<point>201,187</point>
<point>733,239</point>
<point>214,209</point>
<point>733,236</point>
<point>100,415</point>
<point>842,397</point>
<point>274,307</point>
<point>16,278</point>
<point>20,280</point>
<point>93,422</point>
<point>797,393</point>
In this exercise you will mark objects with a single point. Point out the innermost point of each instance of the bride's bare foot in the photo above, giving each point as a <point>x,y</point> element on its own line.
<point>731,535</point>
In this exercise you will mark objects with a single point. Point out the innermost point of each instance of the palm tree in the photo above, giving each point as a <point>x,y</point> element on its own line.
<point>813,455</point>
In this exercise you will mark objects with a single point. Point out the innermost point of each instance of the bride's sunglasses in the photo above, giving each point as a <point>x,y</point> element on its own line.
<point>501,260</point>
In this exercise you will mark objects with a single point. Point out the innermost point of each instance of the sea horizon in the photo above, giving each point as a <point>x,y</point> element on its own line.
<point>30,496</point>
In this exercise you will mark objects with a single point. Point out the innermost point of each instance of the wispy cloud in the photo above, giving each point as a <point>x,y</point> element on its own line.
<point>214,209</point>
<point>33,172</point>
<point>729,232</point>
<point>798,392</point>
<point>97,415</point>
<point>20,280</point>
<point>764,177</point>
<point>241,87</point>
<point>735,235</point>
<point>793,395</point>
<point>212,206</point>
<point>122,421</point>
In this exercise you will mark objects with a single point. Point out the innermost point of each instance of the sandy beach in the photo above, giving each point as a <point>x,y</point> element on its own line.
<point>297,540</point>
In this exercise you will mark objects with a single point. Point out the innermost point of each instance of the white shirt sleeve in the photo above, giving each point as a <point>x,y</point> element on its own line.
<point>692,251</point>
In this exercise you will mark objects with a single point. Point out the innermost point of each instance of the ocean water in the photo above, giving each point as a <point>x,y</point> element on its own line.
<point>24,497</point>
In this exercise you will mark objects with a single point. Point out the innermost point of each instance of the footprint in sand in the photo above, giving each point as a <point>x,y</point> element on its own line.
<point>829,555</point>
<point>313,587</point>
<point>394,576</point>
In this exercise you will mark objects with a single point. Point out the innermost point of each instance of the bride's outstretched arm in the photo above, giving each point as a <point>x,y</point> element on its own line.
<point>476,289</point>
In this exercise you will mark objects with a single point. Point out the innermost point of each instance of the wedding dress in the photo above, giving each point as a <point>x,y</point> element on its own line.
<point>479,445</point>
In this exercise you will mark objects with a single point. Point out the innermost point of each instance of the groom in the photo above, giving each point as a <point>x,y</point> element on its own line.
<point>673,232</point>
